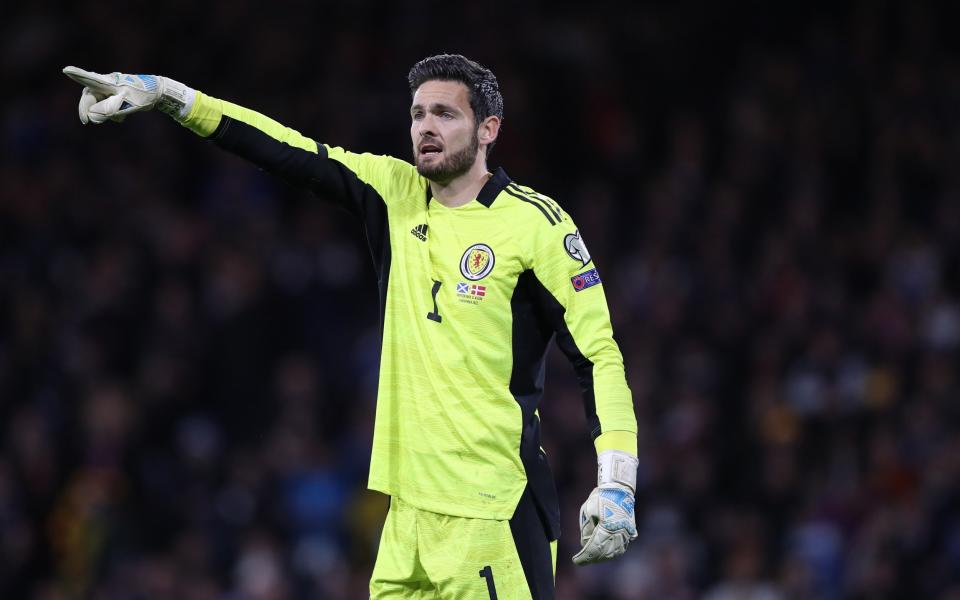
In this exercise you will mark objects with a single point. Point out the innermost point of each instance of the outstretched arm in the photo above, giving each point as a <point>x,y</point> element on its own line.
<point>358,182</point>
<point>265,142</point>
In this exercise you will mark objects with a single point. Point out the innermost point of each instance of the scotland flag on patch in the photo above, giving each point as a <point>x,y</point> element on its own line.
<point>463,288</point>
<point>584,280</point>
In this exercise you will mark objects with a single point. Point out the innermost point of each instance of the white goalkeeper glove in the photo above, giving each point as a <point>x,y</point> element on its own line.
<point>607,522</point>
<point>114,96</point>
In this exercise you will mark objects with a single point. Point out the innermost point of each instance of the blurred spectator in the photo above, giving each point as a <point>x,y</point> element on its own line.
<point>188,348</point>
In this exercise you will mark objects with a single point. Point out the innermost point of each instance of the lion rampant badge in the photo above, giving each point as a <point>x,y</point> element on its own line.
<point>477,262</point>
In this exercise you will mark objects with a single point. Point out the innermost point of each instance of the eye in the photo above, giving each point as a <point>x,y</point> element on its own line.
<point>417,115</point>
<point>446,115</point>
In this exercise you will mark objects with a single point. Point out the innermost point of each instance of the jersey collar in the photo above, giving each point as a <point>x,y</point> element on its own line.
<point>492,188</point>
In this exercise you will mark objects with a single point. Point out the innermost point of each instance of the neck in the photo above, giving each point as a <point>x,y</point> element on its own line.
<point>463,189</point>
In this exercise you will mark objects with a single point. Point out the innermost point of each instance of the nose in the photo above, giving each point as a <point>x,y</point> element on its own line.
<point>426,126</point>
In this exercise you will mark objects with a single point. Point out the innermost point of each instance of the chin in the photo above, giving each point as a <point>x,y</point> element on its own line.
<point>447,168</point>
<point>432,171</point>
<point>434,175</point>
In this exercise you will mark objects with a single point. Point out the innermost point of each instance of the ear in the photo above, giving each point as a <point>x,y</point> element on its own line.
<point>488,130</point>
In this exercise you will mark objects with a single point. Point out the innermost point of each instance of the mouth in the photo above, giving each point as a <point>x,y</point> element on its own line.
<point>429,149</point>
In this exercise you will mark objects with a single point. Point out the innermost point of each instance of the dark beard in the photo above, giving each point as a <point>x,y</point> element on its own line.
<point>452,166</point>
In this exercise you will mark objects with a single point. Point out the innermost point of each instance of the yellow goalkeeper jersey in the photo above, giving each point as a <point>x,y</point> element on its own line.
<point>471,298</point>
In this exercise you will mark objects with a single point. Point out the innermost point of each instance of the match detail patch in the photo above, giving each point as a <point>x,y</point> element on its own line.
<point>471,293</point>
<point>584,280</point>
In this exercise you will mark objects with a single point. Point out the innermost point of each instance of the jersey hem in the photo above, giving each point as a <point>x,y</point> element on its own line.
<point>460,510</point>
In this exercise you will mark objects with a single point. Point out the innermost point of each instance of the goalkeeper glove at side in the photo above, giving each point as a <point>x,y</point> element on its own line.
<point>607,522</point>
<point>114,96</point>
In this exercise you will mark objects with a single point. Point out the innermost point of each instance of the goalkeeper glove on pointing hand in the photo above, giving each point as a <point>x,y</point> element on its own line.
<point>607,522</point>
<point>114,96</point>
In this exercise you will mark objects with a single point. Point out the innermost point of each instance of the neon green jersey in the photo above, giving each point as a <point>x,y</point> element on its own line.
<point>471,297</point>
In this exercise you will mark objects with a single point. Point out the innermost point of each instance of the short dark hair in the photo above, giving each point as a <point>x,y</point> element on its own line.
<point>485,98</point>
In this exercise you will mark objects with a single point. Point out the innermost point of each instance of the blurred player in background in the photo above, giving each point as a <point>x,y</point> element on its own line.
<point>476,275</point>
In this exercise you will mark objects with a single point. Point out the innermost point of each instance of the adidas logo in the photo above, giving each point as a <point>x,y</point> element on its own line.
<point>420,231</point>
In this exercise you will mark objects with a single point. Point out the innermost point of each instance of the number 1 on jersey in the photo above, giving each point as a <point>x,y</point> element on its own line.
<point>487,573</point>
<point>435,316</point>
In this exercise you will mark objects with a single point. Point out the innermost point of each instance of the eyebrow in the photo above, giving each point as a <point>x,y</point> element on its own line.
<point>436,106</point>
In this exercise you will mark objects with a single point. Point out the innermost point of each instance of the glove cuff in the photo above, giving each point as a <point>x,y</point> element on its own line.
<point>617,467</point>
<point>175,99</point>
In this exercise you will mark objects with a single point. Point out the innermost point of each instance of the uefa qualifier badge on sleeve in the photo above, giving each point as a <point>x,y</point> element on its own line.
<point>575,247</point>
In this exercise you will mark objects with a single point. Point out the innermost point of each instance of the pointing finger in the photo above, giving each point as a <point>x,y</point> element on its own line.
<point>94,81</point>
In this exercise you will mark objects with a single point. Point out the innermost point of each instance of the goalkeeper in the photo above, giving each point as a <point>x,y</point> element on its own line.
<point>477,274</point>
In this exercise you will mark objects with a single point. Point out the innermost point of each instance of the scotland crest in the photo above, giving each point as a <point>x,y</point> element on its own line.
<point>477,262</point>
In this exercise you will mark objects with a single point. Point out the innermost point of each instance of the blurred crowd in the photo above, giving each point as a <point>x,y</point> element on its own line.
<point>188,348</point>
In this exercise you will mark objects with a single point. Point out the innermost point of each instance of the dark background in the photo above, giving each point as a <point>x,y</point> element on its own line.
<point>188,348</point>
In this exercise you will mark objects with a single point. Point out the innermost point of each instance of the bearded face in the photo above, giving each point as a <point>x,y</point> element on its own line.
<point>442,165</point>
<point>443,131</point>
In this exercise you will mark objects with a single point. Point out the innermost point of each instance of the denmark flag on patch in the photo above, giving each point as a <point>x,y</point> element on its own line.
<point>478,290</point>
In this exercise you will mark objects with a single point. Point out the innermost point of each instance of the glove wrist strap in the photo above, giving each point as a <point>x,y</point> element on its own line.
<point>175,99</point>
<point>617,467</point>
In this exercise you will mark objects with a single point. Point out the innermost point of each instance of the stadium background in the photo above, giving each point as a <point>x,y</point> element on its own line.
<point>188,348</point>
